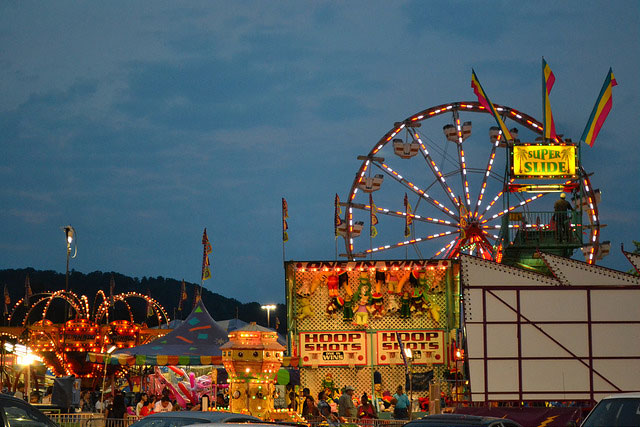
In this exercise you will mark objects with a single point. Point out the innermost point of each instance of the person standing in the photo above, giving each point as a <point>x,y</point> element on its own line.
<point>148,407</point>
<point>309,408</point>
<point>401,409</point>
<point>19,393</point>
<point>346,407</point>
<point>143,401</point>
<point>163,405</point>
<point>560,208</point>
<point>86,404</point>
<point>366,409</point>
<point>323,407</point>
<point>116,411</point>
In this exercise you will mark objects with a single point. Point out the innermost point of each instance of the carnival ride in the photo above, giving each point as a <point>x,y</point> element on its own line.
<point>443,195</point>
<point>63,346</point>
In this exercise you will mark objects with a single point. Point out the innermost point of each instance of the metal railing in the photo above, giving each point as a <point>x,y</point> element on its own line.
<point>98,420</point>
<point>363,422</point>
<point>544,228</point>
<point>85,419</point>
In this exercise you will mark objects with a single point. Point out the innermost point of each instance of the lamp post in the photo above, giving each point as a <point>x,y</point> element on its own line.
<point>409,354</point>
<point>104,375</point>
<point>25,358</point>
<point>268,308</point>
<point>69,232</point>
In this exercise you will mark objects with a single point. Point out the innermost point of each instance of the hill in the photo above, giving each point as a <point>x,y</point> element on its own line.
<point>165,290</point>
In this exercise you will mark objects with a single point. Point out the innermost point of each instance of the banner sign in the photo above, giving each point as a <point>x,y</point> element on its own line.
<point>543,161</point>
<point>371,265</point>
<point>333,348</point>
<point>427,347</point>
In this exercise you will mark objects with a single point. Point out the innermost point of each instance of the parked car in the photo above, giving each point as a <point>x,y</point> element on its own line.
<point>16,412</point>
<point>184,418</point>
<point>617,410</point>
<point>461,420</point>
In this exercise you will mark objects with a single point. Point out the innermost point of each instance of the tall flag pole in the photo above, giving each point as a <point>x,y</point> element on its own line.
<point>149,307</point>
<point>7,300</point>
<point>206,270</point>
<point>600,110</point>
<point>27,291</point>
<point>183,295</point>
<point>548,79</point>
<point>408,218</point>
<point>112,286</point>
<point>337,221</point>
<point>483,99</point>
<point>285,226</point>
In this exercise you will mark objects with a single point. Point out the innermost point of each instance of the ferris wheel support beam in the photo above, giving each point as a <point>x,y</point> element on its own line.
<point>492,157</point>
<point>463,162</point>
<point>436,171</point>
<point>417,190</point>
<point>511,208</point>
<point>400,214</point>
<point>405,243</point>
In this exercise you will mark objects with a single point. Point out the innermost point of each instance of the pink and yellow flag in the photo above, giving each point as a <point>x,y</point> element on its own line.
<point>483,99</point>
<point>548,79</point>
<point>600,110</point>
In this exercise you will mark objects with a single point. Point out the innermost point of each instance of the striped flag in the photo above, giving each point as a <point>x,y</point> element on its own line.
<point>183,295</point>
<point>600,110</point>
<point>27,291</point>
<point>548,79</point>
<point>149,306</point>
<point>7,299</point>
<point>112,286</point>
<point>285,225</point>
<point>408,218</point>
<point>483,99</point>
<point>373,232</point>
<point>206,271</point>
<point>337,221</point>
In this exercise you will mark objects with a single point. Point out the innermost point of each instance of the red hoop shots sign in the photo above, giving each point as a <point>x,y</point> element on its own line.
<point>339,348</point>
<point>427,347</point>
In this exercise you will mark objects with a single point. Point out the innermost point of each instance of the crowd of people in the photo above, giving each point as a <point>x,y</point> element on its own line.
<point>145,404</point>
<point>346,408</point>
<point>118,405</point>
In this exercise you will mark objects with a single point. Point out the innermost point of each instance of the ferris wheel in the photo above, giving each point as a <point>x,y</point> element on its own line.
<point>441,183</point>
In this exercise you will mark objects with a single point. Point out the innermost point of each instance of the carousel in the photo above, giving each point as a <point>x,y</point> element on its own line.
<point>63,345</point>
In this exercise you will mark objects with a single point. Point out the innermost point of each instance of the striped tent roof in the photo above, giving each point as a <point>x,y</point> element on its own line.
<point>196,341</point>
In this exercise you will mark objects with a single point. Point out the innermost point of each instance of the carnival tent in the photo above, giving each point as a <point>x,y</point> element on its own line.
<point>196,341</point>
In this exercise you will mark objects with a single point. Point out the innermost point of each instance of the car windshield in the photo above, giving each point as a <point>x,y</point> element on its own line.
<point>623,412</point>
<point>170,422</point>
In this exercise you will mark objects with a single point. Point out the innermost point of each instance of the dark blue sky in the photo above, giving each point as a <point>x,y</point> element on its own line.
<point>142,123</point>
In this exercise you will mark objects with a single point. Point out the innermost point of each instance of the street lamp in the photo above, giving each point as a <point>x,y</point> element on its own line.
<point>104,374</point>
<point>268,308</point>
<point>70,233</point>
<point>25,357</point>
<point>409,355</point>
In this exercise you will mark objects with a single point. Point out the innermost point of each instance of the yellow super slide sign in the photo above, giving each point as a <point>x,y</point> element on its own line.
<point>543,161</point>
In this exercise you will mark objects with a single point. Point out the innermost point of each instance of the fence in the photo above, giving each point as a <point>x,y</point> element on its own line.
<point>363,422</point>
<point>97,420</point>
<point>91,420</point>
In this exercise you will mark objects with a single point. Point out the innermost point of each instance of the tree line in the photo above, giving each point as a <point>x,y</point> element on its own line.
<point>166,291</point>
